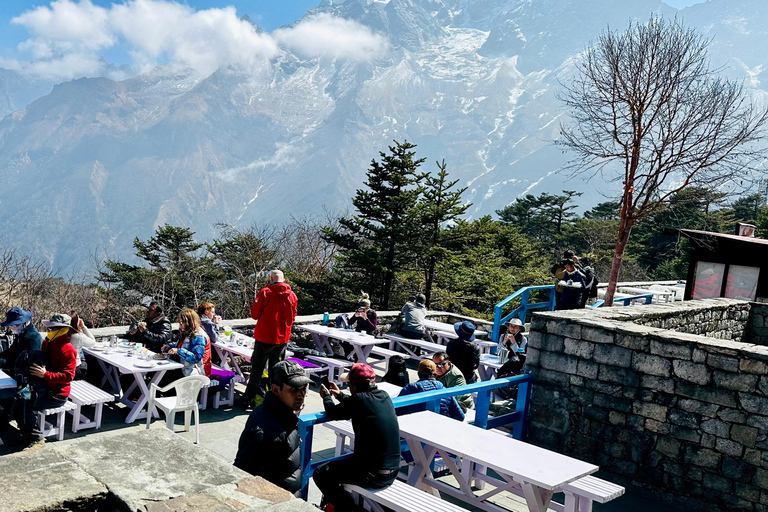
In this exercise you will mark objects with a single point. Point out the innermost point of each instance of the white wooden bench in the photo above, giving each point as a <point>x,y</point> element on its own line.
<point>204,393</point>
<point>386,354</point>
<point>402,497</point>
<point>344,434</point>
<point>84,394</point>
<point>230,392</point>
<point>406,344</point>
<point>50,430</point>
<point>335,366</point>
<point>580,495</point>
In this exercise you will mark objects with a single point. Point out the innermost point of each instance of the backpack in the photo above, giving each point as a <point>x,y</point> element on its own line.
<point>342,321</point>
<point>397,373</point>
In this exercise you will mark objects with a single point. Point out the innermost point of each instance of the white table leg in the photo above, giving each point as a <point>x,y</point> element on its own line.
<point>537,498</point>
<point>137,411</point>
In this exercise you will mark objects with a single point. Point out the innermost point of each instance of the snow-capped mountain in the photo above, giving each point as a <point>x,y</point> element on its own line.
<point>98,162</point>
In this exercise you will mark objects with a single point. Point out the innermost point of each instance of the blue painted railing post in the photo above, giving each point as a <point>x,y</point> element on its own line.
<point>552,296</point>
<point>496,323</point>
<point>524,304</point>
<point>306,430</point>
<point>522,407</point>
<point>482,407</point>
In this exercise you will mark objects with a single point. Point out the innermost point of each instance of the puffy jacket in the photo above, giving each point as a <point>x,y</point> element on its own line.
<point>413,314</point>
<point>195,352</point>
<point>28,340</point>
<point>60,365</point>
<point>158,333</point>
<point>270,447</point>
<point>465,356</point>
<point>275,310</point>
<point>448,406</point>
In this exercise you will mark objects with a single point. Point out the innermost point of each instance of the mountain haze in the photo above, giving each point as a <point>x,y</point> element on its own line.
<point>97,162</point>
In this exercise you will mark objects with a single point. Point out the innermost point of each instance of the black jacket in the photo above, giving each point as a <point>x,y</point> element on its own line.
<point>465,355</point>
<point>269,446</point>
<point>377,433</point>
<point>28,340</point>
<point>158,333</point>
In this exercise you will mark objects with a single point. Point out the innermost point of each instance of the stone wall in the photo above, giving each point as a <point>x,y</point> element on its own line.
<point>681,415</point>
<point>722,320</point>
<point>757,327</point>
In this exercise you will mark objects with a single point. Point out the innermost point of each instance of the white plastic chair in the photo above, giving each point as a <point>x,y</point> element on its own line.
<point>187,391</point>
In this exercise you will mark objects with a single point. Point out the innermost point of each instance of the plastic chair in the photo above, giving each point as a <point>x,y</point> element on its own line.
<point>187,391</point>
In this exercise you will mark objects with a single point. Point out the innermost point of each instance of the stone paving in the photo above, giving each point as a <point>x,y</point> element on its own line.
<point>220,431</point>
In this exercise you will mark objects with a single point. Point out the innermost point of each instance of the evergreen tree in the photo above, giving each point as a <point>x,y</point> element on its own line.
<point>747,208</point>
<point>378,240</point>
<point>438,206</point>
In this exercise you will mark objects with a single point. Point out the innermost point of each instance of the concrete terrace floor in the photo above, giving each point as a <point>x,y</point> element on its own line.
<point>220,431</point>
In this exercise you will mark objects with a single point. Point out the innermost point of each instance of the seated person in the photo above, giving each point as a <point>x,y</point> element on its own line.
<point>154,332</point>
<point>427,371</point>
<point>81,338</point>
<point>270,446</point>
<point>463,353</point>
<point>375,462</point>
<point>210,322</point>
<point>517,348</point>
<point>57,372</point>
<point>450,376</point>
<point>412,317</point>
<point>364,319</point>
<point>575,280</point>
<point>194,349</point>
<point>15,360</point>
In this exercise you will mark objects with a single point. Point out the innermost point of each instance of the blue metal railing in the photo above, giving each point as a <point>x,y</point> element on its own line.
<point>626,301</point>
<point>521,311</point>
<point>483,389</point>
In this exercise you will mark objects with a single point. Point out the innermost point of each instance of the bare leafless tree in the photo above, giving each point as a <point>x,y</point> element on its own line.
<point>648,110</point>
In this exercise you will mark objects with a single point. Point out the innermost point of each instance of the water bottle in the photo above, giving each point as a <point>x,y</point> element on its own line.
<point>325,318</point>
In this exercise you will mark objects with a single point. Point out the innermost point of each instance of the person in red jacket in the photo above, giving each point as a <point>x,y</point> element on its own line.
<point>274,310</point>
<point>58,372</point>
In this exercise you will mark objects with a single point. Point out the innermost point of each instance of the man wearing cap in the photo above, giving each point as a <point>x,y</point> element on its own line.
<point>376,459</point>
<point>517,347</point>
<point>274,310</point>
<point>270,446</point>
<point>58,371</point>
<point>412,316</point>
<point>573,288</point>
<point>15,360</point>
<point>462,352</point>
<point>450,376</point>
<point>427,371</point>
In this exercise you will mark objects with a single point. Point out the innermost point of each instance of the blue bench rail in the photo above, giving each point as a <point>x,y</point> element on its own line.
<point>626,301</point>
<point>524,294</point>
<point>484,390</point>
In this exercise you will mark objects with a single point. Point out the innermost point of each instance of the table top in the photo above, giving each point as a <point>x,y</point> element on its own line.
<point>443,327</point>
<point>6,382</point>
<point>127,364</point>
<point>506,455</point>
<point>490,360</point>
<point>348,335</point>
<point>240,350</point>
<point>392,389</point>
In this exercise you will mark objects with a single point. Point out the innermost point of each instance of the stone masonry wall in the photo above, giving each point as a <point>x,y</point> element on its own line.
<point>725,320</point>
<point>681,415</point>
<point>757,327</point>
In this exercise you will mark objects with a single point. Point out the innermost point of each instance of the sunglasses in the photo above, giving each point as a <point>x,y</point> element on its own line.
<point>440,365</point>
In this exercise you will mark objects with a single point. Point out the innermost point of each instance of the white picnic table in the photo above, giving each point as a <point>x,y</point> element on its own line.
<point>444,327</point>
<point>6,382</point>
<point>361,342</point>
<point>489,364</point>
<point>228,350</point>
<point>524,469</point>
<point>114,361</point>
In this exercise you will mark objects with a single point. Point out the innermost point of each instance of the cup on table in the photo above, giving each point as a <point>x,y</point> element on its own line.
<point>227,330</point>
<point>112,341</point>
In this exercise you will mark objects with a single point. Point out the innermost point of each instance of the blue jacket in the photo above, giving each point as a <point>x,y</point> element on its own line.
<point>28,340</point>
<point>448,406</point>
<point>211,329</point>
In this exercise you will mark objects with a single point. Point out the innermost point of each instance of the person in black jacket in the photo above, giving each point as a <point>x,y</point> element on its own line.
<point>17,358</point>
<point>269,446</point>
<point>376,459</point>
<point>462,352</point>
<point>155,331</point>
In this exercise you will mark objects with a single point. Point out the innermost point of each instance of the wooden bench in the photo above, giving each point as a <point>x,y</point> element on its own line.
<point>344,433</point>
<point>383,364</point>
<point>401,497</point>
<point>581,494</point>
<point>428,347</point>
<point>48,429</point>
<point>84,394</point>
<point>230,391</point>
<point>204,393</point>
<point>335,366</point>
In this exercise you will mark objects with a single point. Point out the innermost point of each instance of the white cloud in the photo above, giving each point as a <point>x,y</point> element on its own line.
<point>67,38</point>
<point>323,34</point>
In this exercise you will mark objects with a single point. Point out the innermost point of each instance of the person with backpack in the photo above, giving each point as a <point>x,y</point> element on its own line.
<point>17,359</point>
<point>397,373</point>
<point>590,288</point>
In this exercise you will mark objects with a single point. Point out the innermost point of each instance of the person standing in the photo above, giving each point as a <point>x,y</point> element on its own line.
<point>274,310</point>
<point>462,352</point>
<point>573,287</point>
<point>270,446</point>
<point>376,458</point>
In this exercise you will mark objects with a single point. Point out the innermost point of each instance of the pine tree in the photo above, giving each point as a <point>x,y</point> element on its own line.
<point>379,239</point>
<point>438,206</point>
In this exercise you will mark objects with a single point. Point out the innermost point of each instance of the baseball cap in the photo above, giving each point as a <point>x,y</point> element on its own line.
<point>288,372</point>
<point>427,366</point>
<point>358,374</point>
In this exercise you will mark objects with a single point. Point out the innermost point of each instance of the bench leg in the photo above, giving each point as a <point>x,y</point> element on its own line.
<point>98,415</point>
<point>76,418</point>
<point>60,425</point>
<point>203,398</point>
